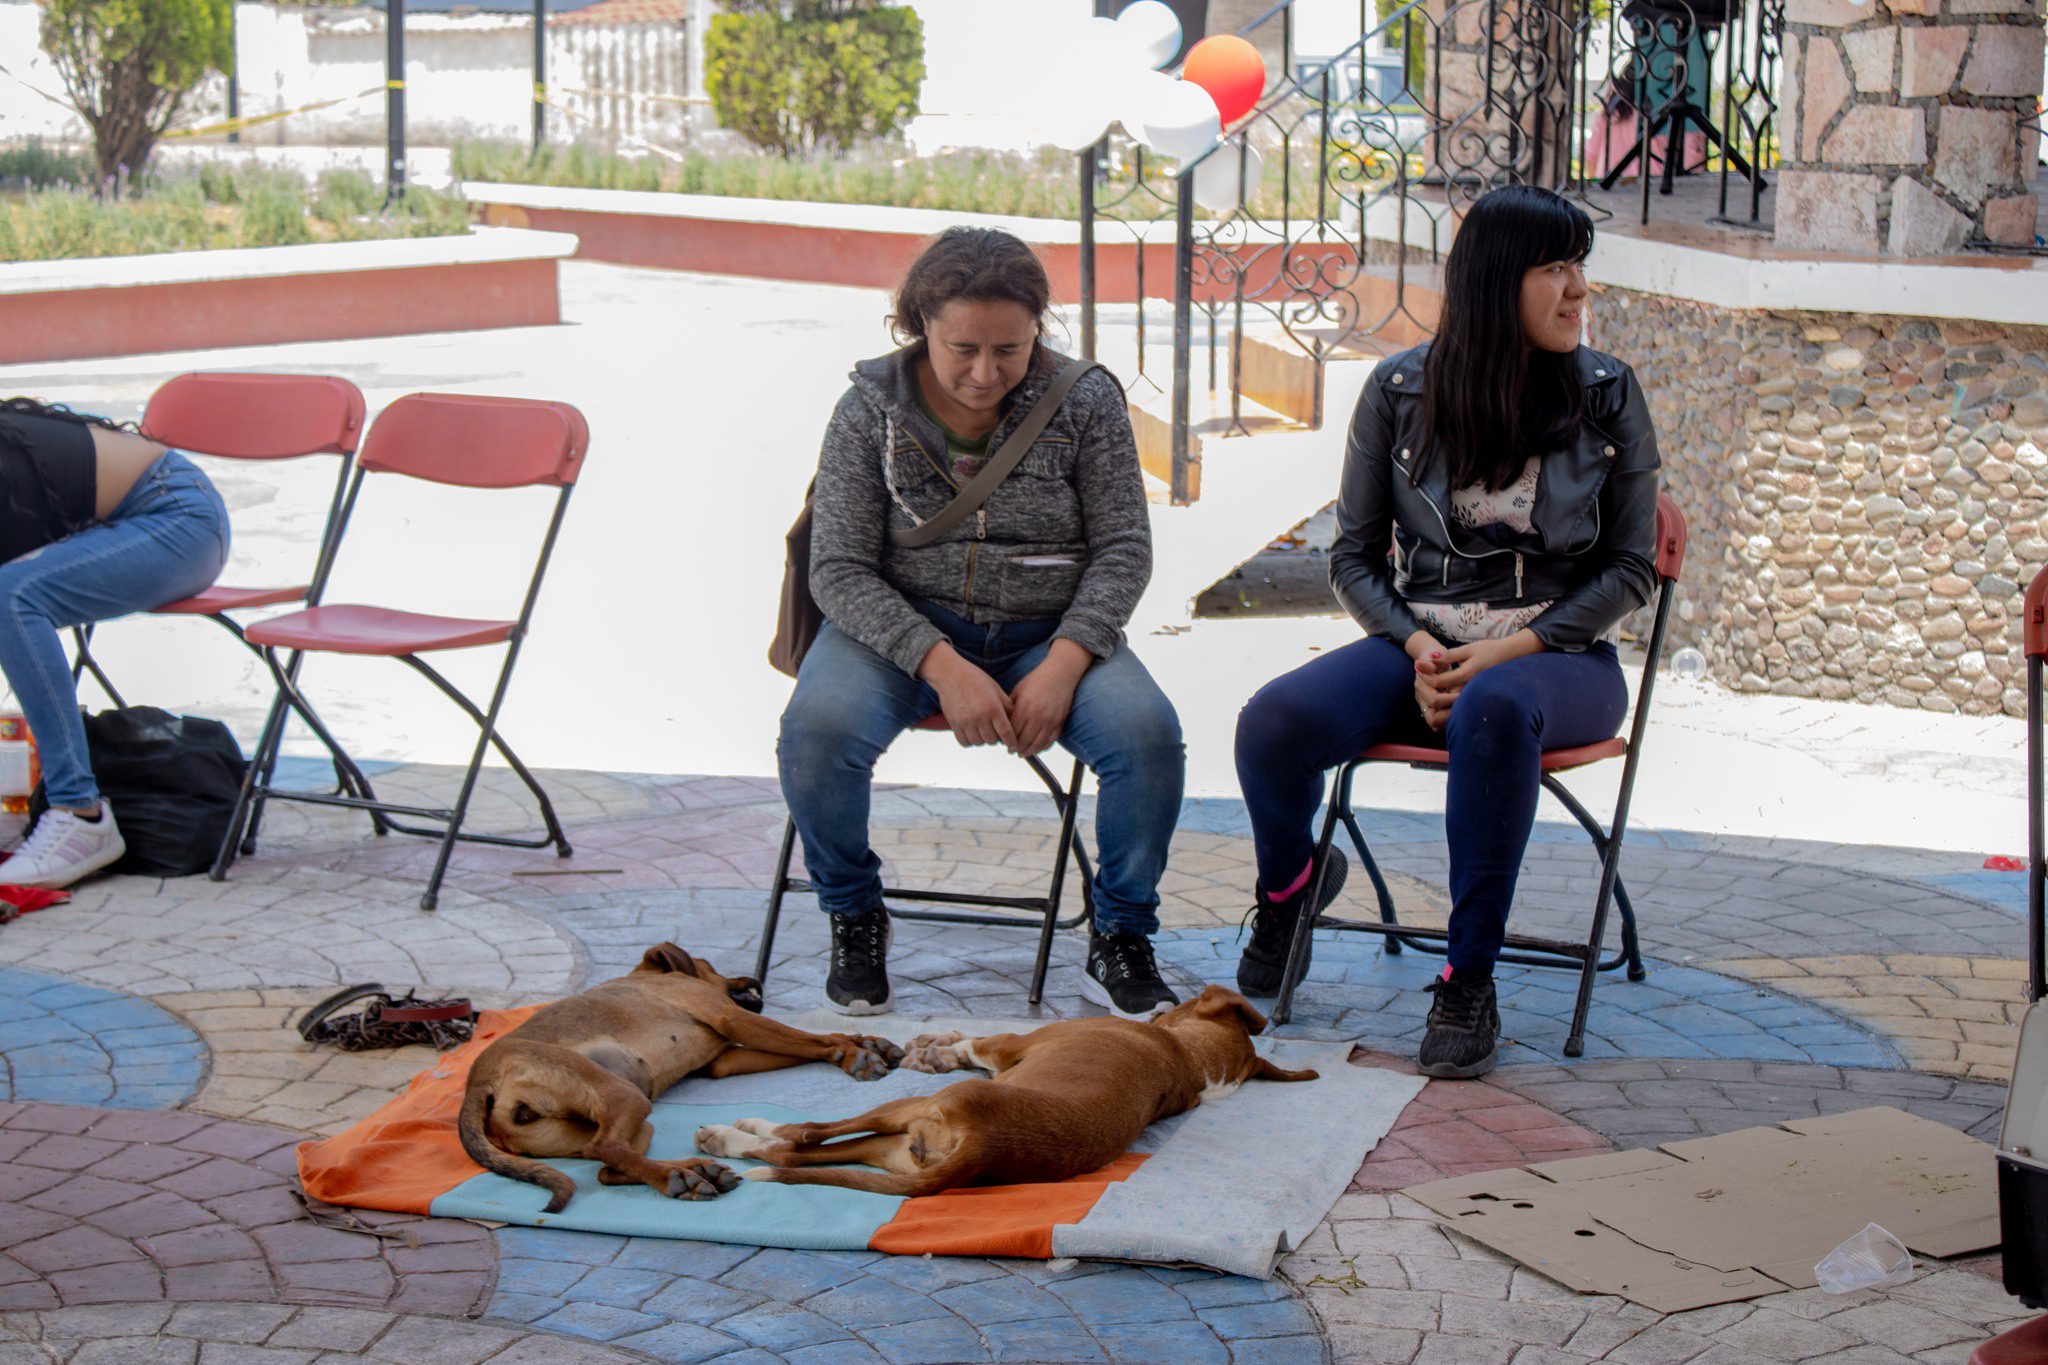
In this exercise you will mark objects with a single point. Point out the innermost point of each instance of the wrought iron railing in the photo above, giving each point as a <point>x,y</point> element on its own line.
<point>1371,155</point>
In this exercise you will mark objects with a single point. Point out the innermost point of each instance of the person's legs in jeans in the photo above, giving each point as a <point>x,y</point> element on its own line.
<point>1303,723</point>
<point>167,539</point>
<point>1123,727</point>
<point>1500,725</point>
<point>850,704</point>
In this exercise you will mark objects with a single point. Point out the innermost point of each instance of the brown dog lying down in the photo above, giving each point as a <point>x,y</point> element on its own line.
<point>1065,1099</point>
<point>579,1077</point>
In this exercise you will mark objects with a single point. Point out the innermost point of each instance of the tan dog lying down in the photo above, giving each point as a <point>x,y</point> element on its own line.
<point>579,1077</point>
<point>1065,1099</point>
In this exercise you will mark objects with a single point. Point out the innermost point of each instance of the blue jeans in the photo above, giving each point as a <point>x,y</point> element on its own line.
<point>850,703</point>
<point>167,539</point>
<point>1325,712</point>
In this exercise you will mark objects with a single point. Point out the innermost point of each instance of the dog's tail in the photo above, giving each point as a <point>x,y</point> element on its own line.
<point>473,1125</point>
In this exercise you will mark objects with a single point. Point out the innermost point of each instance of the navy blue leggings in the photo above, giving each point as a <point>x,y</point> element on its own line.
<point>1303,723</point>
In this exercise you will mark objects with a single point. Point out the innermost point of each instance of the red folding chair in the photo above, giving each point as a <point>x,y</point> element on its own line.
<point>469,442</point>
<point>2034,641</point>
<point>1066,803</point>
<point>1521,949</point>
<point>252,417</point>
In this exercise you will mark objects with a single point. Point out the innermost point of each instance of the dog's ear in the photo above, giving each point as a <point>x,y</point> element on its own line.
<point>1224,1005</point>
<point>666,957</point>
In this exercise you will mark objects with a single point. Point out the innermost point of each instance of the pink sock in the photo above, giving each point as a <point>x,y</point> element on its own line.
<point>1447,973</point>
<point>1295,886</point>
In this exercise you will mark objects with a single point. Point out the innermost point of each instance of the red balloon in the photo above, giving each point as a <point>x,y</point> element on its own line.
<point>1231,70</point>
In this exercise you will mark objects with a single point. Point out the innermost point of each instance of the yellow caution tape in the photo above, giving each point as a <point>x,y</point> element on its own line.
<point>235,125</point>
<point>637,95</point>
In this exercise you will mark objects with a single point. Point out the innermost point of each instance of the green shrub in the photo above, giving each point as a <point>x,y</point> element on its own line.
<point>34,166</point>
<point>220,205</point>
<point>797,76</point>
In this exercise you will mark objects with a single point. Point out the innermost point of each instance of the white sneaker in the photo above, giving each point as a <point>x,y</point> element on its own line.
<point>63,847</point>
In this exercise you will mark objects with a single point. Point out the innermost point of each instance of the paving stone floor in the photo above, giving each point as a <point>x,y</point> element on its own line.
<point>153,1092</point>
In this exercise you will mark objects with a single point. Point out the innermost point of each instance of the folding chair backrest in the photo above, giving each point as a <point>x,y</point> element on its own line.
<point>473,441</point>
<point>256,416</point>
<point>1670,538</point>
<point>2034,618</point>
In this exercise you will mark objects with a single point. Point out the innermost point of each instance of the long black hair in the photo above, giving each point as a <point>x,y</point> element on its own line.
<point>30,407</point>
<point>1490,400</point>
<point>979,264</point>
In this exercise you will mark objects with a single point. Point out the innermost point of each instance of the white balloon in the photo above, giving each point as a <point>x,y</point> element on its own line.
<point>1075,117</point>
<point>1219,187</point>
<point>1179,119</point>
<point>1138,95</point>
<point>1153,30</point>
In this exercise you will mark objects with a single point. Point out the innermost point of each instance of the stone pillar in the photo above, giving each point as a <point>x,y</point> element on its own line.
<point>1898,124</point>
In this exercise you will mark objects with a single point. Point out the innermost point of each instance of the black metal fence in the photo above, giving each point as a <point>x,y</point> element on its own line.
<point>1323,217</point>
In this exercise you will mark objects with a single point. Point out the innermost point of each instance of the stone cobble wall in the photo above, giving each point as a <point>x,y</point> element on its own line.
<point>1866,495</point>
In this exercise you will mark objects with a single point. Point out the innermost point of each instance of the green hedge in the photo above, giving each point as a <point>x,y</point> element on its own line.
<point>218,206</point>
<point>1041,185</point>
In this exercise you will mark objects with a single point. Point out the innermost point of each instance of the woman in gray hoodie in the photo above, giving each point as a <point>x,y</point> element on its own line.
<point>1011,625</point>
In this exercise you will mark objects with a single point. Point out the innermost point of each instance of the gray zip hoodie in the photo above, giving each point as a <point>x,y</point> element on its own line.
<point>1066,535</point>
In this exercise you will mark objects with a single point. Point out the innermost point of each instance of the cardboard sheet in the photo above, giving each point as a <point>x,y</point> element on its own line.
<point>1712,1220</point>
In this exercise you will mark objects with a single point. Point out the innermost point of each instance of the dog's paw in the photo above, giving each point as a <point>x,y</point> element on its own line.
<point>704,1180</point>
<point>862,1058</point>
<point>890,1052</point>
<point>938,1053</point>
<point>717,1139</point>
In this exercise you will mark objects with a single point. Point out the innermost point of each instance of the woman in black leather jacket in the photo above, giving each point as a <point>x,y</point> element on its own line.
<point>1513,472</point>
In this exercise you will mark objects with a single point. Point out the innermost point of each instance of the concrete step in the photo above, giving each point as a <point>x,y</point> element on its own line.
<point>1253,488</point>
<point>1214,424</point>
<point>1377,315</point>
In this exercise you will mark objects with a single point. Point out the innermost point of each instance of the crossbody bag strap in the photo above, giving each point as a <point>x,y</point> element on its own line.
<point>1015,446</point>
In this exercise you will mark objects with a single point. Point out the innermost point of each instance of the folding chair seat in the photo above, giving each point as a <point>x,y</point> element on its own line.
<point>465,441</point>
<point>2034,643</point>
<point>1521,949</point>
<point>1066,803</point>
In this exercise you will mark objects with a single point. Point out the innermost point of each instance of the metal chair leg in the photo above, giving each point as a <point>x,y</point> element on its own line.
<point>1069,804</point>
<point>469,708</point>
<point>776,892</point>
<point>85,663</point>
<point>266,756</point>
<point>1304,925</point>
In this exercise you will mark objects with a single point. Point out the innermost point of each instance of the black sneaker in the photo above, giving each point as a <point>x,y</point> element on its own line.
<point>1123,977</point>
<point>859,980</point>
<point>1265,957</point>
<point>1464,1030</point>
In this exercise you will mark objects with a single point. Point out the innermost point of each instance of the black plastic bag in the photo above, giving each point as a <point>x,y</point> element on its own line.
<point>171,781</point>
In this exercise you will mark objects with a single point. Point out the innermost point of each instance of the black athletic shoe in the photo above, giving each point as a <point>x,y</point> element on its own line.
<point>1265,957</point>
<point>1464,1030</point>
<point>859,980</point>
<point>1123,977</point>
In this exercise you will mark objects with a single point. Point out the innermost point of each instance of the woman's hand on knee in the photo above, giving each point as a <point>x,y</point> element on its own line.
<point>1466,662</point>
<point>1432,695</point>
<point>976,708</point>
<point>1043,698</point>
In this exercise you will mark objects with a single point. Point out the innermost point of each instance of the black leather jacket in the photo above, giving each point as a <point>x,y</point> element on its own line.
<point>1591,547</point>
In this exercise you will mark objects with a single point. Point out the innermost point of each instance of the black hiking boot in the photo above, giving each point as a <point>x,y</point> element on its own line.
<point>858,982</point>
<point>1463,1040</point>
<point>1265,957</point>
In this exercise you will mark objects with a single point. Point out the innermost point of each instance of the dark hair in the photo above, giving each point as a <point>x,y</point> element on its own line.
<point>29,407</point>
<point>1490,400</point>
<point>982,264</point>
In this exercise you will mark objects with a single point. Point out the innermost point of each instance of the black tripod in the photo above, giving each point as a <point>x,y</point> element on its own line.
<point>1668,34</point>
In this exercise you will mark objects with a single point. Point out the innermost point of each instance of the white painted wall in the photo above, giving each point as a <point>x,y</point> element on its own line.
<point>470,75</point>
